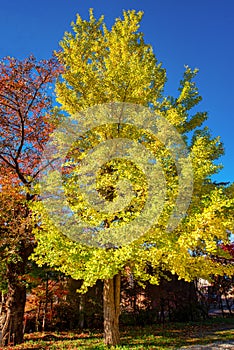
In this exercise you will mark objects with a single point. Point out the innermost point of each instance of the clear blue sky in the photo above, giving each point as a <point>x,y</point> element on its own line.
<point>197,33</point>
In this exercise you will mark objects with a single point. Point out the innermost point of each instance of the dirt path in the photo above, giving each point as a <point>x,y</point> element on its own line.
<point>212,346</point>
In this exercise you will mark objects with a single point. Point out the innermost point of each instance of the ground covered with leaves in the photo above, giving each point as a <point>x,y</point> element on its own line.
<point>169,336</point>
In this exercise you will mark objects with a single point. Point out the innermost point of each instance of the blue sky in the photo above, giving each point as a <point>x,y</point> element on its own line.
<point>196,33</point>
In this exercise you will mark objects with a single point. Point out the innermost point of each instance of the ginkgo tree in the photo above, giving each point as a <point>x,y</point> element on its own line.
<point>115,67</point>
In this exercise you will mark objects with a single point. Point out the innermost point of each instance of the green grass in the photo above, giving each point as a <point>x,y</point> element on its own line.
<point>171,336</point>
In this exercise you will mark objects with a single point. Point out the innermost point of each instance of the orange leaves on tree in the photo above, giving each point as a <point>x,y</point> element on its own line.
<point>25,102</point>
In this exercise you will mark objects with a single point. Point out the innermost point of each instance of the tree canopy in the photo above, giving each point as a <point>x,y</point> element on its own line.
<point>103,66</point>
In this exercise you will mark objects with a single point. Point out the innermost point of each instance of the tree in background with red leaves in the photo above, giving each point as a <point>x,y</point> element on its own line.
<point>229,248</point>
<point>223,286</point>
<point>48,290</point>
<point>25,126</point>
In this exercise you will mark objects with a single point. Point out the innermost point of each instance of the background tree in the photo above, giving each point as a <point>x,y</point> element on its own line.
<point>46,293</point>
<point>25,104</point>
<point>101,66</point>
<point>223,285</point>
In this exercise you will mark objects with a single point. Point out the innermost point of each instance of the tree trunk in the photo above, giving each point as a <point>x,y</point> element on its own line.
<point>12,330</point>
<point>111,304</point>
<point>12,318</point>
<point>228,304</point>
<point>45,305</point>
<point>37,322</point>
<point>81,320</point>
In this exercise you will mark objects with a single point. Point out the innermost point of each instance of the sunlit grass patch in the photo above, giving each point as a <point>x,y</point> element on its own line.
<point>167,337</point>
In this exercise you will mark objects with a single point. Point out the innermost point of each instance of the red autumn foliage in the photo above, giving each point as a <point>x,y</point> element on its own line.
<point>229,248</point>
<point>25,103</point>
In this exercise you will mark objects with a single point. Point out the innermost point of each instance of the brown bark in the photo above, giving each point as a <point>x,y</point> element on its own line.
<point>37,322</point>
<point>45,305</point>
<point>111,301</point>
<point>12,330</point>
<point>12,318</point>
<point>81,311</point>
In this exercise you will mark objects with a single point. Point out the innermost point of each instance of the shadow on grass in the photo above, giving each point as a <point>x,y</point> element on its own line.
<point>171,336</point>
<point>54,336</point>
